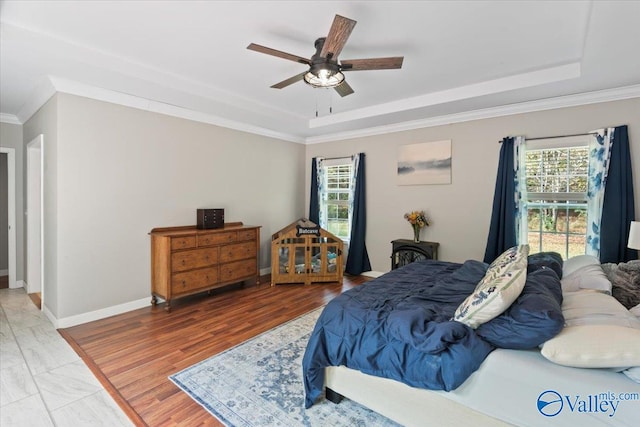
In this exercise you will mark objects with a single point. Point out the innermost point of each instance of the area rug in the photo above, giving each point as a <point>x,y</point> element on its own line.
<point>259,383</point>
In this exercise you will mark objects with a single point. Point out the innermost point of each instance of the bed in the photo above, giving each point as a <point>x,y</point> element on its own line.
<point>438,343</point>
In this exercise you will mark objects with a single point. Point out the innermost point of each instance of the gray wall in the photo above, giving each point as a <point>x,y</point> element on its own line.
<point>11,137</point>
<point>113,173</point>
<point>460,212</point>
<point>119,172</point>
<point>45,122</point>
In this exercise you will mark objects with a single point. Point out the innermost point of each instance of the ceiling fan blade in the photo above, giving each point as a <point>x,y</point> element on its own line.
<point>371,64</point>
<point>337,37</point>
<point>289,81</point>
<point>278,53</point>
<point>344,89</point>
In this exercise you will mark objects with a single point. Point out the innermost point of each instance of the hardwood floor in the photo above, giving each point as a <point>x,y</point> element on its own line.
<point>133,354</point>
<point>36,298</point>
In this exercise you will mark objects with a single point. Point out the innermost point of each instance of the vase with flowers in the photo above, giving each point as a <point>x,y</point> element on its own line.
<point>418,220</point>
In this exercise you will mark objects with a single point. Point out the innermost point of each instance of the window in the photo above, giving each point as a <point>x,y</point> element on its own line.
<point>335,199</point>
<point>554,198</point>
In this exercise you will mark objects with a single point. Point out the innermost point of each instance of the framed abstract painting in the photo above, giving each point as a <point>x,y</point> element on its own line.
<point>425,163</point>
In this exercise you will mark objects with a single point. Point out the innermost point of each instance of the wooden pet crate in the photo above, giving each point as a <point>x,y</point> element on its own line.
<point>302,252</point>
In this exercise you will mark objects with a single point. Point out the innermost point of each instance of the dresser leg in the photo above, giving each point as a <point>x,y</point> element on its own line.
<point>154,300</point>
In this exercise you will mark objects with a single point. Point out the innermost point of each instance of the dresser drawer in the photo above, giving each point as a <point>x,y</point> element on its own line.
<point>193,280</point>
<point>247,235</point>
<point>183,242</point>
<point>217,238</point>
<point>196,258</point>
<point>238,270</point>
<point>238,251</point>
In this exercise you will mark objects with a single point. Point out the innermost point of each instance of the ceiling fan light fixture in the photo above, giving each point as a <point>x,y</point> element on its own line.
<point>324,78</point>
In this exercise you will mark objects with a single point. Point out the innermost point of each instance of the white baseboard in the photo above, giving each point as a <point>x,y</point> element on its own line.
<point>67,322</point>
<point>18,284</point>
<point>50,315</point>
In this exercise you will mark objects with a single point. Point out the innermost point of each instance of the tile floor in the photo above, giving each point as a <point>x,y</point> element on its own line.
<point>43,382</point>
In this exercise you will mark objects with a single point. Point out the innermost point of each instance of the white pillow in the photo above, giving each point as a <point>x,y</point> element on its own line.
<point>589,307</point>
<point>576,262</point>
<point>498,289</point>
<point>594,346</point>
<point>635,310</point>
<point>599,332</point>
<point>590,276</point>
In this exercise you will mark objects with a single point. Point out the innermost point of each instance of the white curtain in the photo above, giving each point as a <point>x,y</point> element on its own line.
<point>520,173</point>
<point>322,179</point>
<point>599,155</point>
<point>355,159</point>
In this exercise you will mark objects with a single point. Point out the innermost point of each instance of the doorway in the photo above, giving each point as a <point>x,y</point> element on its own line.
<point>34,215</point>
<point>9,225</point>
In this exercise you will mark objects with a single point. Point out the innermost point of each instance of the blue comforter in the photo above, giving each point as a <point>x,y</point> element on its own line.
<point>398,327</point>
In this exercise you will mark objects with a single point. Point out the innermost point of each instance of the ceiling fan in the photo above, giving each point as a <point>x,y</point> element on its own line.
<point>324,68</point>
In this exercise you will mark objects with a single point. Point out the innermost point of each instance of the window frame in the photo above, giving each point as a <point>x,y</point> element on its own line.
<point>555,200</point>
<point>326,190</point>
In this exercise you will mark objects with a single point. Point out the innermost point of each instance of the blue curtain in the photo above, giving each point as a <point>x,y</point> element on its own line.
<point>358,258</point>
<point>314,201</point>
<point>618,207</point>
<point>502,229</point>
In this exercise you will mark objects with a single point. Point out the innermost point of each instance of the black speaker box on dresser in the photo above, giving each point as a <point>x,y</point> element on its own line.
<point>210,218</point>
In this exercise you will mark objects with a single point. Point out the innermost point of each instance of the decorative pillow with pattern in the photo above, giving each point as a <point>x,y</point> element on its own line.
<point>498,289</point>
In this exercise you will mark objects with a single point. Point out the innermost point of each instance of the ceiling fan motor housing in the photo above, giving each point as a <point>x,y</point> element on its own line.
<point>322,69</point>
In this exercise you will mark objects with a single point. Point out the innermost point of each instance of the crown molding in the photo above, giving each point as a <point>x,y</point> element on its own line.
<point>40,95</point>
<point>608,95</point>
<point>128,100</point>
<point>489,87</point>
<point>9,119</point>
<point>52,84</point>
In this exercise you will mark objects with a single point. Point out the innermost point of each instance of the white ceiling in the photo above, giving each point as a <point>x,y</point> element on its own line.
<point>189,58</point>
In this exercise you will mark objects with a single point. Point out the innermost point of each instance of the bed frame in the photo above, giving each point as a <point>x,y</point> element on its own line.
<point>401,403</point>
<point>502,392</point>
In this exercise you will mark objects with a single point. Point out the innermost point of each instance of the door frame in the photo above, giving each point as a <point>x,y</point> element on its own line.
<point>11,206</point>
<point>35,216</point>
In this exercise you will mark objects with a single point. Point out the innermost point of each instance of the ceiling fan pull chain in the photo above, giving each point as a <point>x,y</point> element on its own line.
<point>330,103</point>
<point>316,104</point>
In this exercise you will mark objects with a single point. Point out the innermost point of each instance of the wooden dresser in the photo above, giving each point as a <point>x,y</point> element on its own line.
<point>186,260</point>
